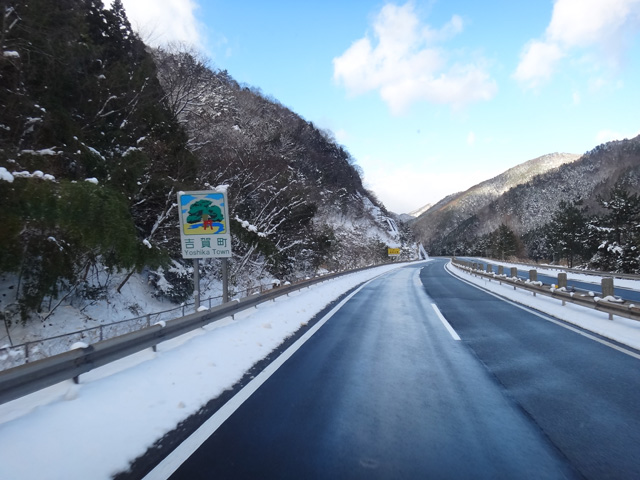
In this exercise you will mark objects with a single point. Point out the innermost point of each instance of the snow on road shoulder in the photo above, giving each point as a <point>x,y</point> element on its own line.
<point>621,330</point>
<point>95,429</point>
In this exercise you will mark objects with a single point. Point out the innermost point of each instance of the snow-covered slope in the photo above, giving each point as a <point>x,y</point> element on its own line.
<point>450,212</point>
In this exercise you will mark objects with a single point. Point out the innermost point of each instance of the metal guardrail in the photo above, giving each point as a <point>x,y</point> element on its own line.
<point>14,355</point>
<point>621,307</point>
<point>31,377</point>
<point>625,276</point>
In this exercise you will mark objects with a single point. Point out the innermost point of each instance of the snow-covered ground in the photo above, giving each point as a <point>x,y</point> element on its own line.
<point>94,429</point>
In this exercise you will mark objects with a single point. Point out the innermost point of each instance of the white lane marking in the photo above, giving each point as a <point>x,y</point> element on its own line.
<point>546,316</point>
<point>170,464</point>
<point>445,323</point>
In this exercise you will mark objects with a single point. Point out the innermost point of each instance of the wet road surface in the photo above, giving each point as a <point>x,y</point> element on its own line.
<point>384,390</point>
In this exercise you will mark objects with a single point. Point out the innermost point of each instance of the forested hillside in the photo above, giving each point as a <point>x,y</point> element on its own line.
<point>98,134</point>
<point>436,224</point>
<point>586,212</point>
<point>287,178</point>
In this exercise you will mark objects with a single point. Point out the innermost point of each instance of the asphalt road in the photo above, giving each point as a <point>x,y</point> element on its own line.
<point>384,391</point>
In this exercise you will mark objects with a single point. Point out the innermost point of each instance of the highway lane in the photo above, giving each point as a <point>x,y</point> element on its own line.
<point>584,395</point>
<point>383,390</point>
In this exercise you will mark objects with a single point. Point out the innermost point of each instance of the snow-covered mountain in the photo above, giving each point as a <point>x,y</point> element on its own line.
<point>408,217</point>
<point>526,197</point>
<point>445,216</point>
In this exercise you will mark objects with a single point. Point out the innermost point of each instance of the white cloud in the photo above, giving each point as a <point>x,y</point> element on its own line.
<point>601,29</point>
<point>160,22</point>
<point>406,64</point>
<point>537,63</point>
<point>582,23</point>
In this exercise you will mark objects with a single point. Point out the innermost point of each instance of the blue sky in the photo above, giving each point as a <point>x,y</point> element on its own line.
<point>430,97</point>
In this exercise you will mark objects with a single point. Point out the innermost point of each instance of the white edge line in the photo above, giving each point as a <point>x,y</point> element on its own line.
<point>447,325</point>
<point>546,316</point>
<point>182,452</point>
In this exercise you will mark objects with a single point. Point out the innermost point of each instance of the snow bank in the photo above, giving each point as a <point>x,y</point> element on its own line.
<point>5,175</point>
<point>43,152</point>
<point>36,174</point>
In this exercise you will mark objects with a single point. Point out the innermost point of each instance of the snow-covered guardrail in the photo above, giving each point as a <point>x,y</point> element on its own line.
<point>622,276</point>
<point>13,355</point>
<point>31,377</point>
<point>607,303</point>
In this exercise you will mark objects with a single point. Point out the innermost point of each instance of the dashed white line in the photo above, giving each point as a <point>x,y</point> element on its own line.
<point>445,323</point>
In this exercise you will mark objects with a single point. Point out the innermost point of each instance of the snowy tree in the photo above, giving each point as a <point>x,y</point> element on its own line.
<point>86,105</point>
<point>504,243</point>
<point>617,232</point>
<point>566,231</point>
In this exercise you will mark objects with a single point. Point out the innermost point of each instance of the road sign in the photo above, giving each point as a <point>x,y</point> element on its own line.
<point>393,252</point>
<point>204,224</point>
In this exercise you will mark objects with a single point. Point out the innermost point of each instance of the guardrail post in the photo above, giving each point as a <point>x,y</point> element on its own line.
<point>607,290</point>
<point>562,280</point>
<point>489,268</point>
<point>533,277</point>
<point>607,287</point>
<point>562,283</point>
<point>514,272</point>
<point>500,270</point>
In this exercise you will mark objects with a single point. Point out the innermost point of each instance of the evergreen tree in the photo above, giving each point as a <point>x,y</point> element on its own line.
<point>617,232</point>
<point>566,231</point>
<point>504,242</point>
<point>80,99</point>
<point>537,244</point>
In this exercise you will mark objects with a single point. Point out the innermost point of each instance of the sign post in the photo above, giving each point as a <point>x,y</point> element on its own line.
<point>225,283</point>
<point>196,283</point>
<point>205,231</point>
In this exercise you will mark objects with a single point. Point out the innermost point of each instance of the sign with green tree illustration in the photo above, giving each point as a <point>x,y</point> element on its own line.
<point>204,224</point>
